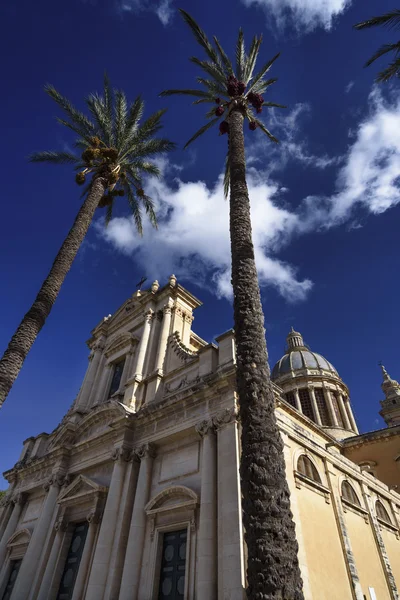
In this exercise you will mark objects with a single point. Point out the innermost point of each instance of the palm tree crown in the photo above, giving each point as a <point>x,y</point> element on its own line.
<point>229,86</point>
<point>391,20</point>
<point>112,145</point>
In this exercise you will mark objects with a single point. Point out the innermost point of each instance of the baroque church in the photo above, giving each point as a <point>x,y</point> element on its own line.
<point>136,495</point>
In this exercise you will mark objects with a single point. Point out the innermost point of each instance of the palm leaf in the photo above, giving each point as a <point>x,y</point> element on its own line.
<point>262,85</point>
<point>252,58</point>
<point>198,93</point>
<point>201,38</point>
<point>150,148</point>
<point>210,69</point>
<point>201,131</point>
<point>79,119</point>
<point>224,58</point>
<point>265,130</point>
<point>149,208</point>
<point>390,19</point>
<point>147,167</point>
<point>382,51</point>
<point>104,123</point>
<point>212,86</point>
<point>121,112</point>
<point>240,56</point>
<point>135,208</point>
<point>109,213</point>
<point>263,71</point>
<point>391,71</point>
<point>274,105</point>
<point>58,158</point>
<point>108,106</point>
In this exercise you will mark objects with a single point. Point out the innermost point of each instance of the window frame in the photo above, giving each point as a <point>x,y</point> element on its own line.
<point>121,359</point>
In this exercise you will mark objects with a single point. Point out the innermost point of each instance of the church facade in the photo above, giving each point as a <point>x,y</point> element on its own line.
<point>136,494</point>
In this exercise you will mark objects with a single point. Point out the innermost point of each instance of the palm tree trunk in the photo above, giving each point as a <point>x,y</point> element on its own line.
<point>272,569</point>
<point>33,321</point>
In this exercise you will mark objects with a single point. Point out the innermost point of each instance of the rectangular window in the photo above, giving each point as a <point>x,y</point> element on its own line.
<point>289,397</point>
<point>306,406</point>
<point>73,561</point>
<point>336,409</point>
<point>15,565</point>
<point>322,408</point>
<point>173,566</point>
<point>116,379</point>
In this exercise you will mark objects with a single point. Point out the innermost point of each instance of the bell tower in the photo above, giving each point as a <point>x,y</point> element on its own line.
<point>391,404</point>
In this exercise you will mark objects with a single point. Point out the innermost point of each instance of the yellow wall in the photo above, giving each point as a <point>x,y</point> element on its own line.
<point>383,452</point>
<point>392,545</point>
<point>366,555</point>
<point>326,566</point>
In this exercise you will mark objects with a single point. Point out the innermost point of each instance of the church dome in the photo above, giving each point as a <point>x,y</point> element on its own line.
<point>299,357</point>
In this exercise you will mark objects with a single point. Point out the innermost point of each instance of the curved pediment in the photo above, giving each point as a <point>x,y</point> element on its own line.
<point>20,538</point>
<point>119,342</point>
<point>99,420</point>
<point>177,496</point>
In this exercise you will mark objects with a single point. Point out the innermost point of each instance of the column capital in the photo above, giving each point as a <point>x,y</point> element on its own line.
<point>229,415</point>
<point>167,309</point>
<point>205,427</point>
<point>59,478</point>
<point>61,524</point>
<point>149,315</point>
<point>121,453</point>
<point>19,498</point>
<point>145,450</point>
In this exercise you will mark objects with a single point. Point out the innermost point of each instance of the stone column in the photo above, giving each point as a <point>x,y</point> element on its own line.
<point>93,519</point>
<point>101,559</point>
<point>343,412</point>
<point>134,550</point>
<point>141,355</point>
<point>230,531</point>
<point>90,377</point>
<point>163,341</point>
<point>206,576</point>
<point>315,406</point>
<point>34,551</point>
<point>101,391</point>
<point>297,400</point>
<point>350,415</point>
<point>6,510</point>
<point>17,502</point>
<point>127,370</point>
<point>329,403</point>
<point>60,526</point>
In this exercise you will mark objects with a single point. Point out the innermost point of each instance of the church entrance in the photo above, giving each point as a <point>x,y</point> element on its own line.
<point>15,565</point>
<point>73,561</point>
<point>173,566</point>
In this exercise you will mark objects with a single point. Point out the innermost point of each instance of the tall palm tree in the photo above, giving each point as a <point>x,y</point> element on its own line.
<point>236,93</point>
<point>114,152</point>
<point>391,20</point>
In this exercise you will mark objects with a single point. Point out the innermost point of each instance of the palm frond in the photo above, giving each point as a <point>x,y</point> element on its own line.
<point>135,208</point>
<point>390,19</point>
<point>224,58</point>
<point>263,71</point>
<point>266,131</point>
<point>274,105</point>
<point>147,167</point>
<point>212,86</point>
<point>80,120</point>
<point>107,102</point>
<point>201,131</point>
<point>197,93</point>
<point>149,208</point>
<point>209,99</point>
<point>261,86</point>
<point>210,69</point>
<point>385,49</point>
<point>100,113</point>
<point>74,128</point>
<point>57,158</point>
<point>393,70</point>
<point>150,148</point>
<point>135,114</point>
<point>240,56</point>
<point>109,213</point>
<point>201,38</point>
<point>121,112</point>
<point>252,58</point>
<point>150,126</point>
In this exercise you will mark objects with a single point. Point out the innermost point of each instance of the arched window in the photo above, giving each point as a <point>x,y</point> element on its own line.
<point>349,494</point>
<point>306,467</point>
<point>382,513</point>
<point>322,408</point>
<point>289,397</point>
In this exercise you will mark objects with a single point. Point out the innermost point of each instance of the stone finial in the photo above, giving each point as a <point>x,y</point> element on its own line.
<point>172,281</point>
<point>155,286</point>
<point>385,374</point>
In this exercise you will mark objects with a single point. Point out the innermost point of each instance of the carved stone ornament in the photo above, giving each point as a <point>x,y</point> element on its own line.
<point>18,498</point>
<point>204,427</point>
<point>226,416</point>
<point>152,520</point>
<point>93,516</point>
<point>145,450</point>
<point>148,315</point>
<point>5,501</point>
<point>122,453</point>
<point>61,524</point>
<point>193,523</point>
<point>57,479</point>
<point>172,280</point>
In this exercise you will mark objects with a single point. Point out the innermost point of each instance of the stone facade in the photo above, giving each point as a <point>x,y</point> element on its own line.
<point>136,495</point>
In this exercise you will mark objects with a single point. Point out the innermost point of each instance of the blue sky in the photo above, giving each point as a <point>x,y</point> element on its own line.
<point>325,202</point>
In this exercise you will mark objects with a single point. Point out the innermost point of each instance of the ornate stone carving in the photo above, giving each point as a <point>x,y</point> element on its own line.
<point>167,309</point>
<point>179,347</point>
<point>152,520</point>
<point>58,479</point>
<point>155,286</point>
<point>172,281</point>
<point>145,450</point>
<point>224,417</point>
<point>148,315</point>
<point>193,523</point>
<point>94,516</point>
<point>61,524</point>
<point>18,498</point>
<point>121,453</point>
<point>204,427</point>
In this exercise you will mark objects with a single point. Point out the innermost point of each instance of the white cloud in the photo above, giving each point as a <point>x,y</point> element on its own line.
<point>304,15</point>
<point>162,8</point>
<point>349,86</point>
<point>193,236</point>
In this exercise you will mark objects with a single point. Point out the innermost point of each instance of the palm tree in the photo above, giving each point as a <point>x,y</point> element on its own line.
<point>114,152</point>
<point>236,93</point>
<point>391,20</point>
